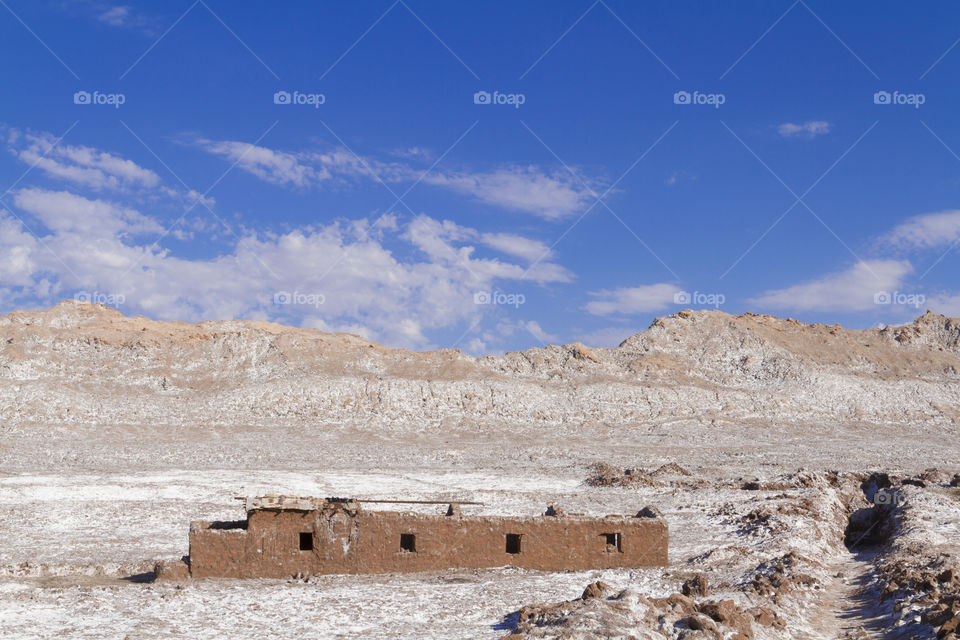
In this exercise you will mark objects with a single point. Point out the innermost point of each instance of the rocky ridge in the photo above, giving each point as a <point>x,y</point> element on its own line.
<point>78,363</point>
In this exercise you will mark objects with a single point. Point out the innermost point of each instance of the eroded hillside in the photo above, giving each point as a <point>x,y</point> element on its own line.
<point>78,363</point>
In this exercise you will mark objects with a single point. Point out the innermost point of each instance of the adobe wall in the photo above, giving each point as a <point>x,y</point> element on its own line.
<point>355,541</point>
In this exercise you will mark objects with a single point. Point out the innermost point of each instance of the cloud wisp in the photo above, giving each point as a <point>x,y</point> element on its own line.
<point>649,298</point>
<point>926,231</point>
<point>809,129</point>
<point>853,289</point>
<point>78,164</point>
<point>550,195</point>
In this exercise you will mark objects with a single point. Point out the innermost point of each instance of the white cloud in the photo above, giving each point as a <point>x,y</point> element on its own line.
<point>79,164</point>
<point>418,153</point>
<point>123,16</point>
<point>526,334</point>
<point>946,303</point>
<point>387,279</point>
<point>809,129</point>
<point>65,212</point>
<point>308,169</point>
<point>439,240</point>
<point>18,248</point>
<point>926,231</point>
<point>476,346</point>
<point>189,199</point>
<point>346,276</point>
<point>272,166</point>
<point>515,245</point>
<point>528,189</point>
<point>631,300</point>
<point>537,332</point>
<point>115,16</point>
<point>850,290</point>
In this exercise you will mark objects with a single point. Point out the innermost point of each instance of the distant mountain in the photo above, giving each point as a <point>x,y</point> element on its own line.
<point>78,363</point>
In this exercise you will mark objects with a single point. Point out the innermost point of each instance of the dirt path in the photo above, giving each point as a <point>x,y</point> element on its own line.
<point>849,606</point>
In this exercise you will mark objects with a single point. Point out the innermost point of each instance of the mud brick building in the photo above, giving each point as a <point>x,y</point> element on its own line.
<point>287,536</point>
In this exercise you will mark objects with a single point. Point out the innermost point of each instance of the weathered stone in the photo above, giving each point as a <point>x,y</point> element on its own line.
<point>727,613</point>
<point>680,603</point>
<point>171,570</point>
<point>699,622</point>
<point>649,511</point>
<point>767,617</point>
<point>936,616</point>
<point>596,589</point>
<point>696,586</point>
<point>950,626</point>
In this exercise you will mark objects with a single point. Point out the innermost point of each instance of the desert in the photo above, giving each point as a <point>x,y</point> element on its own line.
<point>808,474</point>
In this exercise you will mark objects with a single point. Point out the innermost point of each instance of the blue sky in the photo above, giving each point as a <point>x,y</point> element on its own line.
<point>489,177</point>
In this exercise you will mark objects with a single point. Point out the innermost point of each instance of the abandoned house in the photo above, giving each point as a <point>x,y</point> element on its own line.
<point>288,536</point>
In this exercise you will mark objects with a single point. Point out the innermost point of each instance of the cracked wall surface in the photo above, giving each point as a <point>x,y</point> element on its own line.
<point>346,539</point>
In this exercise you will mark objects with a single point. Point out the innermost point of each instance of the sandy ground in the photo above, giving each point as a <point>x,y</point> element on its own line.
<point>81,509</point>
